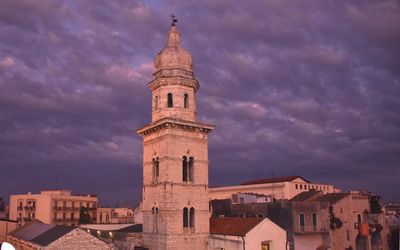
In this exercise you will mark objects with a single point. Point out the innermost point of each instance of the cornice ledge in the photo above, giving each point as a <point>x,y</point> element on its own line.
<point>175,123</point>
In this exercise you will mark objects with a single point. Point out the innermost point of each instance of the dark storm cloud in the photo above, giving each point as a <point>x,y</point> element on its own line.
<point>295,87</point>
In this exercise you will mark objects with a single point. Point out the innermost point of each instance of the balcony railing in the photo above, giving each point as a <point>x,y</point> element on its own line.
<point>67,208</point>
<point>310,229</point>
<point>20,208</point>
<point>30,208</point>
<point>65,219</point>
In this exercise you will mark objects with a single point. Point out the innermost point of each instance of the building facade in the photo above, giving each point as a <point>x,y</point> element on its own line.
<point>175,156</point>
<point>59,207</point>
<point>246,233</point>
<point>279,188</point>
<point>115,215</point>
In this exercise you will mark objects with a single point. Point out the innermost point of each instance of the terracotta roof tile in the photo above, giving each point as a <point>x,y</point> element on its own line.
<point>233,226</point>
<point>307,195</point>
<point>273,180</point>
<point>333,197</point>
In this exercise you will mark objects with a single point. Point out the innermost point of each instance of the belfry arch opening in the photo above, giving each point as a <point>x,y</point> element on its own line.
<point>186,101</point>
<point>170,101</point>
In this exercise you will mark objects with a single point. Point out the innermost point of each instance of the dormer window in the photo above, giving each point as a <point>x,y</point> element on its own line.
<point>170,102</point>
<point>186,101</point>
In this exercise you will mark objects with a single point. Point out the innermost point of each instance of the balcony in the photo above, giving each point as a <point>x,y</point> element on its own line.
<point>310,229</point>
<point>30,208</point>
<point>20,208</point>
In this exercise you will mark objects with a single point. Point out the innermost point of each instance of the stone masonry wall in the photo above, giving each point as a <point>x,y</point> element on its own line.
<point>78,239</point>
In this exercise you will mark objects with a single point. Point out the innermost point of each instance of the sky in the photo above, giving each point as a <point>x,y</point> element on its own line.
<point>294,87</point>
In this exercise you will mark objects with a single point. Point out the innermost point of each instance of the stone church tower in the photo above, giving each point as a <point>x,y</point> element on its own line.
<point>175,156</point>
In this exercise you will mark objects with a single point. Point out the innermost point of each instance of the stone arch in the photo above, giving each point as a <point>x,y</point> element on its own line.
<point>170,101</point>
<point>186,101</point>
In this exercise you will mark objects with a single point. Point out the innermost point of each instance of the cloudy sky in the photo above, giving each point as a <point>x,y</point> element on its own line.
<point>295,87</point>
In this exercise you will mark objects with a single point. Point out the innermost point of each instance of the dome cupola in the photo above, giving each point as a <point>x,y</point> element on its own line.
<point>173,56</point>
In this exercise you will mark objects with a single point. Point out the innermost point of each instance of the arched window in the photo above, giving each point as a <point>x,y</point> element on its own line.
<point>154,211</point>
<point>186,101</point>
<point>156,102</point>
<point>188,217</point>
<point>184,169</point>
<point>185,217</point>
<point>156,169</point>
<point>170,101</point>
<point>191,217</point>
<point>187,169</point>
<point>191,169</point>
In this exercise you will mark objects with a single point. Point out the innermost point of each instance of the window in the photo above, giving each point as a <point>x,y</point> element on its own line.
<point>185,217</point>
<point>170,101</point>
<point>297,186</point>
<point>156,169</point>
<point>73,216</point>
<point>191,217</point>
<point>302,222</point>
<point>64,216</point>
<point>154,211</point>
<point>314,221</point>
<point>188,217</point>
<point>187,169</point>
<point>184,169</point>
<point>186,101</point>
<point>359,220</point>
<point>301,186</point>
<point>265,245</point>
<point>55,216</point>
<point>348,235</point>
<point>191,169</point>
<point>156,102</point>
<point>73,204</point>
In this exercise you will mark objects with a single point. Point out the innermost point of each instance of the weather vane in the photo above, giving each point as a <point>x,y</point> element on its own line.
<point>174,20</point>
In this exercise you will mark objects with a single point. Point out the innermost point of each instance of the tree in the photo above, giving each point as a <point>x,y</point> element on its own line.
<point>84,216</point>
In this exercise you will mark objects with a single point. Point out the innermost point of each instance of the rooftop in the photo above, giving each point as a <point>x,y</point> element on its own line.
<point>233,226</point>
<point>31,230</point>
<point>333,197</point>
<point>51,235</point>
<point>274,180</point>
<point>308,195</point>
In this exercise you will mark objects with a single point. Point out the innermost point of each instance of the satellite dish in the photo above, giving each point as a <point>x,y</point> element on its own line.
<point>6,246</point>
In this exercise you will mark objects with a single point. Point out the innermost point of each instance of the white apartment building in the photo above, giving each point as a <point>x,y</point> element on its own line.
<point>277,187</point>
<point>59,207</point>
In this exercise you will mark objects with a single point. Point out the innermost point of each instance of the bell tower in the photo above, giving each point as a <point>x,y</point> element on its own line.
<point>175,156</point>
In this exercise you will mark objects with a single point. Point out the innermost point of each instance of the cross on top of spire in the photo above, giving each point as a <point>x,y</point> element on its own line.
<point>174,20</point>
